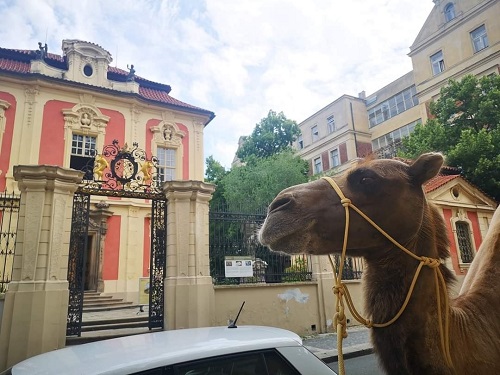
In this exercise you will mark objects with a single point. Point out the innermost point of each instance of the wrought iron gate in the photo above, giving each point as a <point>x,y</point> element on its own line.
<point>126,173</point>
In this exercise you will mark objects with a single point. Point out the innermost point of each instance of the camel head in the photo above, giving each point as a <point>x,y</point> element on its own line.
<point>309,218</point>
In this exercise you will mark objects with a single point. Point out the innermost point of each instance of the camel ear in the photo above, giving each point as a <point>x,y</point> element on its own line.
<point>425,167</point>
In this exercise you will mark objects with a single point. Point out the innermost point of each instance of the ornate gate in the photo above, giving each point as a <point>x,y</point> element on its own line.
<point>125,173</point>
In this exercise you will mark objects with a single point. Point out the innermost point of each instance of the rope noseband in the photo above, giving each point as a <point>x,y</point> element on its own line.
<point>342,293</point>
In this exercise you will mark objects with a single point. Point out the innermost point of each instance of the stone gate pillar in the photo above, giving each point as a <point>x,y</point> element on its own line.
<point>189,292</point>
<point>36,303</point>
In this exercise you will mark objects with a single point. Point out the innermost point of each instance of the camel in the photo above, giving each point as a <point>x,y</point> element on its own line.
<point>309,218</point>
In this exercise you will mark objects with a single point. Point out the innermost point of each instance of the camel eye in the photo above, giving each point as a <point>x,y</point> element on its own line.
<point>366,180</point>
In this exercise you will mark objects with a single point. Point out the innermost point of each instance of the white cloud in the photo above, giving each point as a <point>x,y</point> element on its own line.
<point>236,58</point>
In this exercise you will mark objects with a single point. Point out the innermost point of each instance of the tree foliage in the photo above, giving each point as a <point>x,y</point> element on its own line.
<point>253,186</point>
<point>214,173</point>
<point>466,128</point>
<point>273,134</point>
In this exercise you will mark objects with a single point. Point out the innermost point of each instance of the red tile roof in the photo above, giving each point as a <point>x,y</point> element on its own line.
<point>438,181</point>
<point>19,61</point>
<point>14,66</point>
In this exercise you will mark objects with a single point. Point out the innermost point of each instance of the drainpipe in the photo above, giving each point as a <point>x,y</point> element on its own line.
<point>353,128</point>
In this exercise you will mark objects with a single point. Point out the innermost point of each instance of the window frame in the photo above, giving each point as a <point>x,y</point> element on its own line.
<point>315,133</point>
<point>300,142</point>
<point>167,171</point>
<point>332,160</point>
<point>449,12</point>
<point>330,123</point>
<point>317,167</point>
<point>437,63</point>
<point>480,37</point>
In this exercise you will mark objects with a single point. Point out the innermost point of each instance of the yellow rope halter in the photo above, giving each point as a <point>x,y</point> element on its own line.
<point>342,293</point>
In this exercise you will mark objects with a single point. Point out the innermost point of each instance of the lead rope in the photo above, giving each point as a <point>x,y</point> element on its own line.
<point>342,293</point>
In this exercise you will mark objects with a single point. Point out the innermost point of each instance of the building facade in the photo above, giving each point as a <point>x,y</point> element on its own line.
<point>458,38</point>
<point>61,110</point>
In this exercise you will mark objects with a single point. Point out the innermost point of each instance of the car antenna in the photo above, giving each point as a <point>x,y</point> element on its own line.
<point>233,324</point>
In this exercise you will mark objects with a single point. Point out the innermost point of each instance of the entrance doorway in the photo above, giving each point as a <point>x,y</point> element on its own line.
<point>119,173</point>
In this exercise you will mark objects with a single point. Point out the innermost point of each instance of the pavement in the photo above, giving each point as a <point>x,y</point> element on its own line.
<point>324,346</point>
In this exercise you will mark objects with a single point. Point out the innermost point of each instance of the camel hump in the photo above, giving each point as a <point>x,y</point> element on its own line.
<point>487,258</point>
<point>425,167</point>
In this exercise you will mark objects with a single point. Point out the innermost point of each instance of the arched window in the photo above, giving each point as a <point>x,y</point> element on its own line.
<point>449,12</point>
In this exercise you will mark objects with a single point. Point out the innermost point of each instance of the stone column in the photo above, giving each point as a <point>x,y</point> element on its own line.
<point>189,292</point>
<point>36,303</point>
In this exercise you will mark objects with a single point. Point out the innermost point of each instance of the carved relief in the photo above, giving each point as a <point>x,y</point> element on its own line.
<point>167,135</point>
<point>135,112</point>
<point>30,94</point>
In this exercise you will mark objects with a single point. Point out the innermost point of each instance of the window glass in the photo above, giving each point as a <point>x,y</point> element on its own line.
<point>449,12</point>
<point>255,363</point>
<point>334,157</point>
<point>331,124</point>
<point>437,63</point>
<point>300,142</point>
<point>315,133</point>
<point>479,38</point>
<point>166,164</point>
<point>83,150</point>
<point>317,165</point>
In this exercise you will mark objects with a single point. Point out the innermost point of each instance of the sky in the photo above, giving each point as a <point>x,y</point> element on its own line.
<point>236,58</point>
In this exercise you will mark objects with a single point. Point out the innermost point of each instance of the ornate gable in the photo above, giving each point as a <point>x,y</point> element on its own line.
<point>458,192</point>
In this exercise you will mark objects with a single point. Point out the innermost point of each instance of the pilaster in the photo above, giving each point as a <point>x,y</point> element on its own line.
<point>36,303</point>
<point>189,293</point>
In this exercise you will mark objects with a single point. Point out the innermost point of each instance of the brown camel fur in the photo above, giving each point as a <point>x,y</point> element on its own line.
<point>309,218</point>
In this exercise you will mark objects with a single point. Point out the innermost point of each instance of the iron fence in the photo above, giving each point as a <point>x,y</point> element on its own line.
<point>236,256</point>
<point>353,267</point>
<point>9,214</point>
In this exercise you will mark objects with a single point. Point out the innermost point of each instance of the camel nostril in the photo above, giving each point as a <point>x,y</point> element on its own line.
<point>279,203</point>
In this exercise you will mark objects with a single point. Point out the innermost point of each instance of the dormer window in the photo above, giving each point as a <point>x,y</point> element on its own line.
<point>449,12</point>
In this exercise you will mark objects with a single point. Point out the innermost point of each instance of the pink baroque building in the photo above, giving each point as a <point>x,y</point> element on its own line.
<point>62,109</point>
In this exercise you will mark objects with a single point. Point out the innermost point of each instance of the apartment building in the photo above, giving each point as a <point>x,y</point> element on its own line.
<point>458,38</point>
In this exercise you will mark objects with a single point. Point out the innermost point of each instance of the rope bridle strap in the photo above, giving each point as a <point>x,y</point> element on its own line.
<point>342,293</point>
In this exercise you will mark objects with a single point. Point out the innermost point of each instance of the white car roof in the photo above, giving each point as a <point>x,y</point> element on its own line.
<point>151,350</point>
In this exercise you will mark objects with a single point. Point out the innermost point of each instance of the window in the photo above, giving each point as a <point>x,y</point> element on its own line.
<point>394,136</point>
<point>254,363</point>
<point>449,12</point>
<point>464,241</point>
<point>334,158</point>
<point>166,164</point>
<point>315,133</point>
<point>393,106</point>
<point>437,63</point>
<point>479,38</point>
<point>331,124</point>
<point>300,142</point>
<point>318,167</point>
<point>82,154</point>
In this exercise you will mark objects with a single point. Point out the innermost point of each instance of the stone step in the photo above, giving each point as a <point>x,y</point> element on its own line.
<point>103,302</point>
<point>112,324</point>
<point>105,335</point>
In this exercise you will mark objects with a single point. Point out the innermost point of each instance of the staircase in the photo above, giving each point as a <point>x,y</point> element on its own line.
<point>106,317</point>
<point>94,302</point>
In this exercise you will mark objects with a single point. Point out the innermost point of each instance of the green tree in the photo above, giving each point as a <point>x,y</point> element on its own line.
<point>214,173</point>
<point>273,134</point>
<point>253,186</point>
<point>466,128</point>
